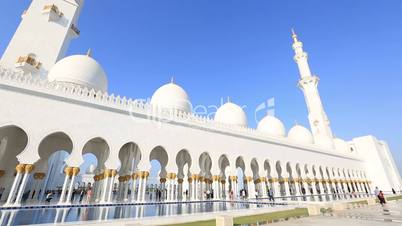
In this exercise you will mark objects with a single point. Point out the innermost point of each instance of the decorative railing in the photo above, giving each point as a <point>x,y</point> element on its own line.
<point>137,108</point>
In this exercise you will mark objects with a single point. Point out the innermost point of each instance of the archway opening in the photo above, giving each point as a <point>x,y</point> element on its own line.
<point>158,175</point>
<point>48,175</point>
<point>95,150</point>
<point>13,141</point>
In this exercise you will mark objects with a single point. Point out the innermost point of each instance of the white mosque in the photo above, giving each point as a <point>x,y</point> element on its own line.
<point>52,103</point>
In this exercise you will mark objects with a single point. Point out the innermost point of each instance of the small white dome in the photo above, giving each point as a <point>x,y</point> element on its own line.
<point>341,145</point>
<point>300,134</point>
<point>231,114</point>
<point>171,96</point>
<point>272,126</point>
<point>80,70</point>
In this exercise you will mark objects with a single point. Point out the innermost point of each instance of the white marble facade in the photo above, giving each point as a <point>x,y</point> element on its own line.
<point>51,102</point>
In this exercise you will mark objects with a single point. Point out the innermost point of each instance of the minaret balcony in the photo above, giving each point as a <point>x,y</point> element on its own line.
<point>74,31</point>
<point>52,12</point>
<point>28,64</point>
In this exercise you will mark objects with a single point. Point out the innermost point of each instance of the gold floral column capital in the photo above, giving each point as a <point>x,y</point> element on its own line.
<point>113,173</point>
<point>171,176</point>
<point>144,174</point>
<point>29,168</point>
<point>76,171</point>
<point>20,168</point>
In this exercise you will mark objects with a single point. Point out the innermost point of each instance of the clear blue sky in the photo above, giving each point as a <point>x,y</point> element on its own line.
<point>242,49</point>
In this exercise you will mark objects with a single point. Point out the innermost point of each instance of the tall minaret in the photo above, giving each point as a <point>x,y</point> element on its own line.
<point>308,83</point>
<point>43,36</point>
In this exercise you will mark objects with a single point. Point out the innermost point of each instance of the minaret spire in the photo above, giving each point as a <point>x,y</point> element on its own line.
<point>40,40</point>
<point>294,35</point>
<point>308,83</point>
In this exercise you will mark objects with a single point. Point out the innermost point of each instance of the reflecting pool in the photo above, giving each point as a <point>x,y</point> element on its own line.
<point>48,215</point>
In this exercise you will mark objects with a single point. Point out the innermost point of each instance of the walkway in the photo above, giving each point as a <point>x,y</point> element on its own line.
<point>365,216</point>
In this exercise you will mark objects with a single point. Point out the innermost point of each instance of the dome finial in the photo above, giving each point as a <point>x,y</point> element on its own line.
<point>89,52</point>
<point>228,99</point>
<point>172,80</point>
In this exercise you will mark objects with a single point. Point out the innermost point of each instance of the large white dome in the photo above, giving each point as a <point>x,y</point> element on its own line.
<point>300,134</point>
<point>80,70</point>
<point>231,114</point>
<point>341,145</point>
<point>171,96</point>
<point>272,126</point>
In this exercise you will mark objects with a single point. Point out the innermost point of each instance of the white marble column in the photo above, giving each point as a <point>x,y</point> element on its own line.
<point>14,188</point>
<point>135,178</point>
<point>68,172</point>
<point>112,176</point>
<point>75,171</point>
<point>139,193</point>
<point>264,187</point>
<point>125,188</point>
<point>105,186</point>
<point>144,187</point>
<point>215,186</point>
<point>28,169</point>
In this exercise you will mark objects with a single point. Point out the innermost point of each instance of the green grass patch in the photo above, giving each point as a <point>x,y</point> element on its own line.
<point>270,217</point>
<point>361,202</point>
<point>198,223</point>
<point>254,219</point>
<point>393,198</point>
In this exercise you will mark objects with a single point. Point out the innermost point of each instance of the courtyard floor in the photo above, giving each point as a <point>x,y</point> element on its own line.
<point>376,215</point>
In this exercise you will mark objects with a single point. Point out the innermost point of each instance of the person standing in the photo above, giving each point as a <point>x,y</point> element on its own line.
<point>82,193</point>
<point>89,195</point>
<point>381,197</point>
<point>377,193</point>
<point>49,196</point>
<point>271,195</point>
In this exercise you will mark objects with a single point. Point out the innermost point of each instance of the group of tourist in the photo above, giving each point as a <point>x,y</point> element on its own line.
<point>84,192</point>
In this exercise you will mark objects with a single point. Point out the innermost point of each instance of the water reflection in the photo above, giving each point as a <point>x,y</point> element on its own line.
<point>64,215</point>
